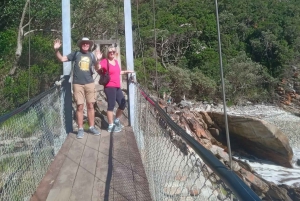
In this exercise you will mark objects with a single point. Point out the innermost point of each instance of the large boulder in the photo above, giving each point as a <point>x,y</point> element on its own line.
<point>257,137</point>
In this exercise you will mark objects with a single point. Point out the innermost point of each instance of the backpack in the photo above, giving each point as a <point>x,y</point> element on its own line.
<point>92,69</point>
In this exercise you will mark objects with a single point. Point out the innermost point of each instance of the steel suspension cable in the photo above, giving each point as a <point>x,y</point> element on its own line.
<point>117,26</point>
<point>140,41</point>
<point>154,25</point>
<point>223,86</point>
<point>29,55</point>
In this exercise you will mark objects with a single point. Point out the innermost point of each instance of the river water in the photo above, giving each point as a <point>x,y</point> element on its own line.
<point>277,174</point>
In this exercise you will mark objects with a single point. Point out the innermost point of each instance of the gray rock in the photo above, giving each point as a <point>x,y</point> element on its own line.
<point>260,138</point>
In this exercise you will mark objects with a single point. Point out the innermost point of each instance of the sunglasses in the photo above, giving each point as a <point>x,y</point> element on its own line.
<point>112,52</point>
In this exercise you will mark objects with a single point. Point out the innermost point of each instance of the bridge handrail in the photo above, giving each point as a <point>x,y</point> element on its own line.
<point>30,138</point>
<point>26,105</point>
<point>238,187</point>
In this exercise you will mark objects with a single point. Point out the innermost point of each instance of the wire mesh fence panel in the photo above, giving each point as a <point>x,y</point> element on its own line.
<point>29,140</point>
<point>173,169</point>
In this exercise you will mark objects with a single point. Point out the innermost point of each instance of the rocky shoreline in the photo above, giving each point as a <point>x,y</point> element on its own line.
<point>195,119</point>
<point>286,121</point>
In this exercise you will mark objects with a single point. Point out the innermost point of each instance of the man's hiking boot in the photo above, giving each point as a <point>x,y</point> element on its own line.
<point>94,131</point>
<point>80,133</point>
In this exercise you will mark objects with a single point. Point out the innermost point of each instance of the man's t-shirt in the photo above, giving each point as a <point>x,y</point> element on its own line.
<point>114,72</point>
<point>82,72</point>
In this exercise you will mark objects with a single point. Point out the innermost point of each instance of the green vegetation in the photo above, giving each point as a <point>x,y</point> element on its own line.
<point>25,170</point>
<point>11,165</point>
<point>86,126</point>
<point>21,125</point>
<point>36,43</point>
<point>260,42</point>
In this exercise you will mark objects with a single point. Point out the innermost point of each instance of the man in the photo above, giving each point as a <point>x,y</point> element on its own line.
<point>83,83</point>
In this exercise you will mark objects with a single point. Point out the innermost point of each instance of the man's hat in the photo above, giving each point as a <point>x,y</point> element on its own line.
<point>86,40</point>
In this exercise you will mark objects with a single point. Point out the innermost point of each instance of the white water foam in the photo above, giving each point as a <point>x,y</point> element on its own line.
<point>274,173</point>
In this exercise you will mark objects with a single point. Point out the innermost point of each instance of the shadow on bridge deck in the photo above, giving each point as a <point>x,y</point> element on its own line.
<point>105,167</point>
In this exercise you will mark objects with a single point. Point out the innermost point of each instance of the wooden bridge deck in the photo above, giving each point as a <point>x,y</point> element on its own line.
<point>106,167</point>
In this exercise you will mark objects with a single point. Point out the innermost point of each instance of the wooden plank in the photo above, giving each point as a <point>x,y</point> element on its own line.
<point>89,159</point>
<point>103,186</point>
<point>73,134</point>
<point>66,145</point>
<point>93,141</point>
<point>105,142</point>
<point>135,157</point>
<point>103,166</point>
<point>83,186</point>
<point>110,169</point>
<point>120,148</point>
<point>75,151</point>
<point>47,182</point>
<point>142,187</point>
<point>120,197</point>
<point>123,181</point>
<point>100,192</point>
<point>45,185</point>
<point>139,176</point>
<point>59,194</point>
<point>62,186</point>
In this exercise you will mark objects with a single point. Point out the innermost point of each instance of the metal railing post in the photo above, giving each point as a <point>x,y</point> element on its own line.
<point>129,57</point>
<point>66,85</point>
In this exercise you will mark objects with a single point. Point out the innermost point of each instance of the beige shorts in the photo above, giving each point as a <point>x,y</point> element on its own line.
<point>84,92</point>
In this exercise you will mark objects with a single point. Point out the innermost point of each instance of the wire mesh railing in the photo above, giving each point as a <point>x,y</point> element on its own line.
<point>30,137</point>
<point>178,167</point>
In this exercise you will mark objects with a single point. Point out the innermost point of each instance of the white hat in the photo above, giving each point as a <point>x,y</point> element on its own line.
<point>85,39</point>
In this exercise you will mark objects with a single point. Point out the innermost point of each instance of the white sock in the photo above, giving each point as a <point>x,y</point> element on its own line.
<point>117,120</point>
<point>110,125</point>
<point>80,128</point>
<point>91,127</point>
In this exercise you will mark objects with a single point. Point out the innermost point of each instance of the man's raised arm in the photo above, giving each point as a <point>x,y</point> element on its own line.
<point>58,55</point>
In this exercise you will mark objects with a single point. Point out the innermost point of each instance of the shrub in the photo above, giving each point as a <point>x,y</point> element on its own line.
<point>181,82</point>
<point>203,87</point>
<point>246,80</point>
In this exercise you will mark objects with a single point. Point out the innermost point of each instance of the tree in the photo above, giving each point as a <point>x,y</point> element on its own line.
<point>39,18</point>
<point>180,84</point>
<point>97,19</point>
<point>246,80</point>
<point>203,87</point>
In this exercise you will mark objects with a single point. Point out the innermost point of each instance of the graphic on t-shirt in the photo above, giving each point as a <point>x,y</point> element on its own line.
<point>84,63</point>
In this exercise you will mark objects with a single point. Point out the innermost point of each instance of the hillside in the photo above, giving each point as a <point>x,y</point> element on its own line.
<point>260,44</point>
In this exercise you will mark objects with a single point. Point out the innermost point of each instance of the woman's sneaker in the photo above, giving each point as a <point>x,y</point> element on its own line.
<point>114,129</point>
<point>118,124</point>
<point>80,133</point>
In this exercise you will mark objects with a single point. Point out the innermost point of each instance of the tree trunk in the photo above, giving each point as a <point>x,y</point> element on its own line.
<point>19,40</point>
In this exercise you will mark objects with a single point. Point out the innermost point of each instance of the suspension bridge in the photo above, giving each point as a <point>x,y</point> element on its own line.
<point>154,159</point>
<point>151,159</point>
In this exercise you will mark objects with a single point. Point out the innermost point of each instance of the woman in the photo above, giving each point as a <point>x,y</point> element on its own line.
<point>113,90</point>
